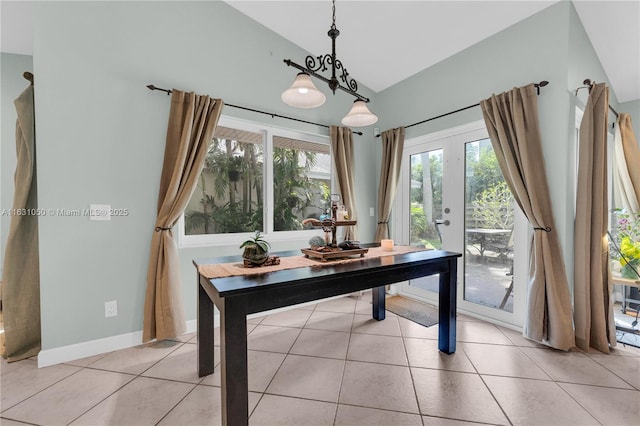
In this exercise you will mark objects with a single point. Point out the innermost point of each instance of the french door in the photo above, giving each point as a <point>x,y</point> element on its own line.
<point>452,196</point>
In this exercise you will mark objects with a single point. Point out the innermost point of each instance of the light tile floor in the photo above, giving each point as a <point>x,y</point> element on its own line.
<point>331,364</point>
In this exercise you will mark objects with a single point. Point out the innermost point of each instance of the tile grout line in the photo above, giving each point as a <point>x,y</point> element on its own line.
<point>612,372</point>
<point>263,393</point>
<point>195,385</point>
<point>577,402</point>
<point>43,389</point>
<point>413,382</point>
<point>344,368</point>
<point>557,381</point>
<point>477,373</point>
<point>135,376</point>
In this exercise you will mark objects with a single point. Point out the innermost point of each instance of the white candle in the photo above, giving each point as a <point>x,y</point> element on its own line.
<point>387,245</point>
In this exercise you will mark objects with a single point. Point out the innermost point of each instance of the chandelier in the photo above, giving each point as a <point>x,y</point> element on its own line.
<point>304,94</point>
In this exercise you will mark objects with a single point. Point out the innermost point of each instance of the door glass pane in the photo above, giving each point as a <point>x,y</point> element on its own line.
<point>489,214</point>
<point>426,207</point>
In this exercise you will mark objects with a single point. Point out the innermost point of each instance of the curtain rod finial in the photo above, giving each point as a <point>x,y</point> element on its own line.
<point>152,87</point>
<point>28,75</point>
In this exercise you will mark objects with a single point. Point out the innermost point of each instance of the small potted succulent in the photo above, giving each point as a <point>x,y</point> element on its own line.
<point>256,250</point>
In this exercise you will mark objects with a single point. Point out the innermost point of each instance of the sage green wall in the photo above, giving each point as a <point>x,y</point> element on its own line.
<point>101,138</point>
<point>551,45</point>
<point>11,85</point>
<point>533,50</point>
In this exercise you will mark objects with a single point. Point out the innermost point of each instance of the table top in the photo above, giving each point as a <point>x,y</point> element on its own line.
<point>250,283</point>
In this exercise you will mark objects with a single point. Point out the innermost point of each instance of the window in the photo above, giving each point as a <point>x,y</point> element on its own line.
<point>228,197</point>
<point>249,167</point>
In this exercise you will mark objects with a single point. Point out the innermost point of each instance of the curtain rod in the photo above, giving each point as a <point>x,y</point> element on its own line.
<point>537,86</point>
<point>168,92</point>
<point>588,84</point>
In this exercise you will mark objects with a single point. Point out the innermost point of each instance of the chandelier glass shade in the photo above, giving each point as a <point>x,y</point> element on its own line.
<point>359,115</point>
<point>304,94</point>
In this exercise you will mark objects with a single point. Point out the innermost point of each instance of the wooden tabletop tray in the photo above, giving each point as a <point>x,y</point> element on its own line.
<point>335,254</point>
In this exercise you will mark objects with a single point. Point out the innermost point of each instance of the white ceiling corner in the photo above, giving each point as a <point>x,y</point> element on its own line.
<point>419,34</point>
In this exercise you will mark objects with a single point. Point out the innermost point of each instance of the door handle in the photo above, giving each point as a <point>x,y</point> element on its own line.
<point>443,222</point>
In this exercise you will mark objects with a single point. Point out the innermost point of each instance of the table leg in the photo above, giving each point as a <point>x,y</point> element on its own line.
<point>233,363</point>
<point>206,358</point>
<point>377,294</point>
<point>447,309</point>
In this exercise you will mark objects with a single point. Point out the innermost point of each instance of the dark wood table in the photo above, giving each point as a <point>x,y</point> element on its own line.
<point>236,297</point>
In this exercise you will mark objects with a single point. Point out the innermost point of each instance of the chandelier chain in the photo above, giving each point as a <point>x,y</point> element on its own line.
<point>333,25</point>
<point>323,63</point>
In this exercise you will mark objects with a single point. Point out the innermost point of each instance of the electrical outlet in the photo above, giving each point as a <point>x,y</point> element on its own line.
<point>111,309</point>
<point>372,211</point>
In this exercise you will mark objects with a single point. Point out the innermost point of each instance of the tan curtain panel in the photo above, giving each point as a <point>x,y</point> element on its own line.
<point>592,283</point>
<point>512,121</point>
<point>627,159</point>
<point>392,146</point>
<point>192,121</point>
<point>21,270</point>
<point>344,159</point>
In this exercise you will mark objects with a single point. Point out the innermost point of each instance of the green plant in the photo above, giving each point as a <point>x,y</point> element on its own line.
<point>292,190</point>
<point>493,207</point>
<point>421,232</point>
<point>258,241</point>
<point>418,223</point>
<point>256,249</point>
<point>627,231</point>
<point>483,173</point>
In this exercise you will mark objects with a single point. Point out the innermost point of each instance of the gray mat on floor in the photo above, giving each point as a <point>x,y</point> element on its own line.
<point>413,310</point>
<point>625,338</point>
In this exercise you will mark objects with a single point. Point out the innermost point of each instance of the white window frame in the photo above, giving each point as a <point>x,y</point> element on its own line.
<point>268,132</point>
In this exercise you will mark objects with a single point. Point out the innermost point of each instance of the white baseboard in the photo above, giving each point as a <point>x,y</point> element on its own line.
<point>76,351</point>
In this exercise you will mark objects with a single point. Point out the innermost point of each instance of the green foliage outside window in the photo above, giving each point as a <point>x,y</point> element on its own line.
<point>490,203</point>
<point>231,189</point>
<point>293,190</point>
<point>493,207</point>
<point>482,173</point>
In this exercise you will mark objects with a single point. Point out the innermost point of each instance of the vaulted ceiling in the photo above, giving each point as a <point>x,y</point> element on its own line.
<point>415,34</point>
